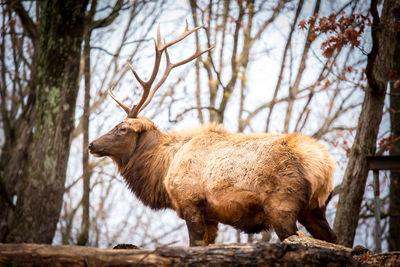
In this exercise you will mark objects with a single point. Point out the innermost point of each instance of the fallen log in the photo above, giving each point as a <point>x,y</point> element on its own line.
<point>297,250</point>
<point>257,254</point>
<point>359,253</point>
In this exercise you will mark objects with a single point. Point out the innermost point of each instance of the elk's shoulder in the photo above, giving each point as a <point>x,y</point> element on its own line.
<point>202,130</point>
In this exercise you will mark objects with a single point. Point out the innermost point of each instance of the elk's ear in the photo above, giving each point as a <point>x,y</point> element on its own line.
<point>143,124</point>
<point>138,127</point>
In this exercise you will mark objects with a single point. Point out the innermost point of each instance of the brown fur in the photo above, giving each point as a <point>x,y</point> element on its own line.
<point>208,175</point>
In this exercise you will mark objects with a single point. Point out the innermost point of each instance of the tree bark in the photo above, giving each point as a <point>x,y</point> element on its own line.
<point>41,191</point>
<point>380,61</point>
<point>394,197</point>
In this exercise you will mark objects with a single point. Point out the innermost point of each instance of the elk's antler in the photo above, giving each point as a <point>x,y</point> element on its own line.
<point>148,91</point>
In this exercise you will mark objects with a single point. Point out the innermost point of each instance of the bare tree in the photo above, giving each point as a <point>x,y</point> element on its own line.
<point>18,92</point>
<point>90,25</point>
<point>380,62</point>
<point>40,192</point>
<point>96,175</point>
<point>43,103</point>
<point>309,93</point>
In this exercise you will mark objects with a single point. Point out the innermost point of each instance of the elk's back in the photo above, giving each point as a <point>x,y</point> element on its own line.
<point>259,163</point>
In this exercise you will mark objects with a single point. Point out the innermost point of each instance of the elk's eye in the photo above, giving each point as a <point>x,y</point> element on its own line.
<point>123,129</point>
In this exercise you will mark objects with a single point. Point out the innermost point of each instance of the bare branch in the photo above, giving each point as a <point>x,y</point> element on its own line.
<point>110,18</point>
<point>26,21</point>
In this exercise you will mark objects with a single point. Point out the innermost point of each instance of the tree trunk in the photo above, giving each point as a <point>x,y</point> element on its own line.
<point>378,69</point>
<point>41,191</point>
<point>394,197</point>
<point>84,235</point>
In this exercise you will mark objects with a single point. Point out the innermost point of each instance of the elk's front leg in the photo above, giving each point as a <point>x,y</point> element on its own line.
<point>212,232</point>
<point>197,229</point>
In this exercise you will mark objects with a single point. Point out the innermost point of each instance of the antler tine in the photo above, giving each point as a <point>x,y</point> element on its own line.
<point>195,55</point>
<point>136,75</point>
<point>185,34</point>
<point>168,69</point>
<point>160,47</point>
<point>160,82</point>
<point>159,41</point>
<point>146,85</point>
<point>125,107</point>
<point>187,25</point>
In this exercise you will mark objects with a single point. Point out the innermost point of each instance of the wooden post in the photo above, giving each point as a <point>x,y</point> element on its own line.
<point>377,212</point>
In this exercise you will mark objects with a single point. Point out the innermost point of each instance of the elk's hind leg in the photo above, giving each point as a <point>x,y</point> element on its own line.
<point>211,232</point>
<point>316,224</point>
<point>283,208</point>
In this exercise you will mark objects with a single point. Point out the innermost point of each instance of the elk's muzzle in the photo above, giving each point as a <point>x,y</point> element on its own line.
<point>95,150</point>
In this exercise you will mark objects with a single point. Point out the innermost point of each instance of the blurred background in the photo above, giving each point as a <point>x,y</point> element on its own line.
<point>269,72</point>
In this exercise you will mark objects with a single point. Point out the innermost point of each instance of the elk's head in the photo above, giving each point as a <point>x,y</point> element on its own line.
<point>120,142</point>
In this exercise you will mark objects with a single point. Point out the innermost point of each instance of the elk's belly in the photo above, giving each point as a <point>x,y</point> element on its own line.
<point>242,210</point>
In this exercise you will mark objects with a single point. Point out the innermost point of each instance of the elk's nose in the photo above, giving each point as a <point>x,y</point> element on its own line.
<point>91,146</point>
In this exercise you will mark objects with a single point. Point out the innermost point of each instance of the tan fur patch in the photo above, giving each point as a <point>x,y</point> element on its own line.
<point>209,175</point>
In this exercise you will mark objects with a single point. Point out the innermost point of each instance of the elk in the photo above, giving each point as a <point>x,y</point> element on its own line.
<point>209,175</point>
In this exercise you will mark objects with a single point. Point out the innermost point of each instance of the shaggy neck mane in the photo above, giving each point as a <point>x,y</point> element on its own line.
<point>148,165</point>
<point>145,169</point>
